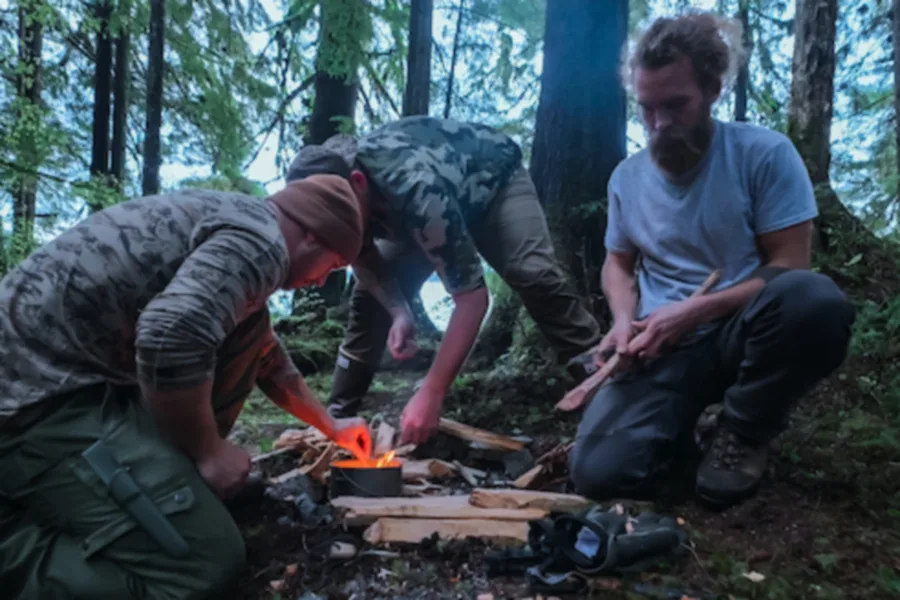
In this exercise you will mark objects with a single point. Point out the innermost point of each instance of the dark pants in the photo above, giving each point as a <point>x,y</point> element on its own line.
<point>62,534</point>
<point>758,363</point>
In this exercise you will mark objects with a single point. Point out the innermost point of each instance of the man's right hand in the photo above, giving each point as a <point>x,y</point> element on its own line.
<point>226,469</point>
<point>402,338</point>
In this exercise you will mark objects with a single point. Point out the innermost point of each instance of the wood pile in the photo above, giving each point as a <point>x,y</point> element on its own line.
<point>497,508</point>
<point>495,515</point>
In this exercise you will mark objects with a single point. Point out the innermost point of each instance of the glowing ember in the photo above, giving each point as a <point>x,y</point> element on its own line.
<point>386,461</point>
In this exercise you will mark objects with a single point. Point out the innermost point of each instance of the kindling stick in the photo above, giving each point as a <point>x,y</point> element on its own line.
<point>578,396</point>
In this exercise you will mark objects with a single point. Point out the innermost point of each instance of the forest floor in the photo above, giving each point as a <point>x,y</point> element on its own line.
<point>825,523</point>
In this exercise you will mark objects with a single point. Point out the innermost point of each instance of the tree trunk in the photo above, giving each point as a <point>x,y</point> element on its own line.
<point>457,38</point>
<point>155,73</point>
<point>28,86</point>
<point>742,84</point>
<point>120,97</point>
<point>895,38</point>
<point>580,131</point>
<point>417,97</point>
<point>102,93</point>
<point>342,26</point>
<point>840,234</point>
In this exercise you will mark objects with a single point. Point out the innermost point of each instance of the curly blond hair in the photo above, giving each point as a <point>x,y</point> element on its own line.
<point>713,44</point>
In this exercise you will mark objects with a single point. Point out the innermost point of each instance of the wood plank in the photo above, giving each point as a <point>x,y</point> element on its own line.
<point>427,469</point>
<point>527,479</point>
<point>549,501</point>
<point>384,440</point>
<point>473,434</point>
<point>413,531</point>
<point>353,511</point>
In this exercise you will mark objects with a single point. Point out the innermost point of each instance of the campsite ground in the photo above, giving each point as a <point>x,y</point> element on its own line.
<point>825,524</point>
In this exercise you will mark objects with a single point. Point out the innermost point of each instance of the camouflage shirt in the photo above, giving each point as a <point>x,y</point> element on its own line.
<point>149,288</point>
<point>436,180</point>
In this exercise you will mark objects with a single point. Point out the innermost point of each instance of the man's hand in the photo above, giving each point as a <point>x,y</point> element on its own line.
<point>353,435</point>
<point>421,416</point>
<point>401,337</point>
<point>663,328</point>
<point>615,341</point>
<point>225,469</point>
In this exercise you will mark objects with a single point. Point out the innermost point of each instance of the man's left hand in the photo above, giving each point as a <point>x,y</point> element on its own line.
<point>663,328</point>
<point>421,416</point>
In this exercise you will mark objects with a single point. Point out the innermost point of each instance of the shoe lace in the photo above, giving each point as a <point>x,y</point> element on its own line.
<point>728,450</point>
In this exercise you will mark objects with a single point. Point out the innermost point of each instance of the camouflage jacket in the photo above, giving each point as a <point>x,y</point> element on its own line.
<point>150,288</point>
<point>434,180</point>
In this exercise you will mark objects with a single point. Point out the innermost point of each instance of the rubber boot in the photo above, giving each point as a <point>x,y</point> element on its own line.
<point>349,385</point>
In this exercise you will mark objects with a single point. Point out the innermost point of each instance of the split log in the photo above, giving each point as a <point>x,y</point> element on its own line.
<point>518,499</point>
<point>354,511</point>
<point>320,469</point>
<point>384,440</point>
<point>427,469</point>
<point>529,478</point>
<point>300,439</point>
<point>469,474</point>
<point>413,531</point>
<point>485,438</point>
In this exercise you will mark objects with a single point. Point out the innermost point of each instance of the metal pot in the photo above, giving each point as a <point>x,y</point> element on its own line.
<point>352,478</point>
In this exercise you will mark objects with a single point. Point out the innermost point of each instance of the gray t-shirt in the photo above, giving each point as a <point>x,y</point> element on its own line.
<point>752,181</point>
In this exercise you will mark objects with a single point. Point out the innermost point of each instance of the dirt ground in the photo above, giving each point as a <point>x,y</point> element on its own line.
<point>824,525</point>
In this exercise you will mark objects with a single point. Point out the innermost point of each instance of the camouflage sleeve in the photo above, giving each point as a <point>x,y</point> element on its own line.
<point>227,278</point>
<point>438,226</point>
<point>275,362</point>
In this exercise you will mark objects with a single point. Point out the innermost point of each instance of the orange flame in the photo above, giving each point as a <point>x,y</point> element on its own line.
<point>386,461</point>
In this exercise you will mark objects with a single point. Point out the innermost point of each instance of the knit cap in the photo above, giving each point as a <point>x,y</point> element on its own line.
<point>327,207</point>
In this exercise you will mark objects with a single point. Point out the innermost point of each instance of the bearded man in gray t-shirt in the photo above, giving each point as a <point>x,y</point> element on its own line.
<point>706,195</point>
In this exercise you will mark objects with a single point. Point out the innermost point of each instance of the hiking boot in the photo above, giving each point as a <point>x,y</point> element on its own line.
<point>732,468</point>
<point>349,385</point>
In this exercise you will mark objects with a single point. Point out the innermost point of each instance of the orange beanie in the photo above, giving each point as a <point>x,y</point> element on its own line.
<point>326,206</point>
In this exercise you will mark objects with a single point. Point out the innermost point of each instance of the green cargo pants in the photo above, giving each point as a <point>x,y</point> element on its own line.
<point>515,241</point>
<point>63,535</point>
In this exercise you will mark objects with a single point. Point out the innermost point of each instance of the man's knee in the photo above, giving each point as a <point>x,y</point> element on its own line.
<point>816,311</point>
<point>614,465</point>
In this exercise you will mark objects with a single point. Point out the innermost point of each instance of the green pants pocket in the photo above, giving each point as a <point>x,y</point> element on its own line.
<point>178,501</point>
<point>98,468</point>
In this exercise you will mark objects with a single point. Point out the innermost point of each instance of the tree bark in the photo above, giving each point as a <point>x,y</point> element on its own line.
<point>895,38</point>
<point>155,74</point>
<point>102,92</point>
<point>28,84</point>
<point>342,26</point>
<point>742,84</point>
<point>120,97</point>
<point>417,97</point>
<point>840,234</point>
<point>457,38</point>
<point>581,123</point>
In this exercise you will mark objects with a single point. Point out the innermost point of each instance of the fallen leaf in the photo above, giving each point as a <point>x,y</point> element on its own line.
<point>290,570</point>
<point>606,583</point>
<point>754,576</point>
<point>277,585</point>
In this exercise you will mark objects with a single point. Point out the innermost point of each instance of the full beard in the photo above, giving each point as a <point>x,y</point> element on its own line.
<point>678,149</point>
